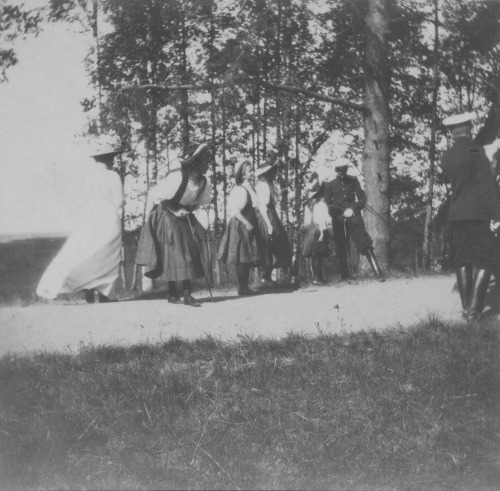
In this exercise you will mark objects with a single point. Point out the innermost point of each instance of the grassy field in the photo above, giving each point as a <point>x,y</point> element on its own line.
<point>404,409</point>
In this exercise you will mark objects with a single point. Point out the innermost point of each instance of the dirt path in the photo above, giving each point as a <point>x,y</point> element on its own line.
<point>329,309</point>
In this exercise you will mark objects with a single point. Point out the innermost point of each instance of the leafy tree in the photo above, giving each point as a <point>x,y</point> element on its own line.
<point>15,22</point>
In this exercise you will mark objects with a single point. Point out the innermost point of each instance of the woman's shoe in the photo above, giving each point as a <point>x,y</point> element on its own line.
<point>191,301</point>
<point>173,299</point>
<point>246,292</point>
<point>89,296</point>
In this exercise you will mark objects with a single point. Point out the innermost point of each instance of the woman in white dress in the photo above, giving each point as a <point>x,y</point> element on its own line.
<point>90,259</point>
<point>316,247</point>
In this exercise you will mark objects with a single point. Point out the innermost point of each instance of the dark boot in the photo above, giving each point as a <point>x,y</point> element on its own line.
<point>103,298</point>
<point>317,264</point>
<point>243,273</point>
<point>372,260</point>
<point>89,296</point>
<point>188,298</point>
<point>464,283</point>
<point>172,296</point>
<point>478,294</point>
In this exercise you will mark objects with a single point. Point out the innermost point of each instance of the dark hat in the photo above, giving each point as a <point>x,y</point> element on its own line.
<point>238,169</point>
<point>107,154</point>
<point>190,161</point>
<point>271,155</point>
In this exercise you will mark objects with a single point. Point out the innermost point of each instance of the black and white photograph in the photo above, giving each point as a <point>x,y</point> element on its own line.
<point>250,244</point>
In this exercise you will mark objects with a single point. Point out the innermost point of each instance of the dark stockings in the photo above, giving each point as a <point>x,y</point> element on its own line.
<point>243,273</point>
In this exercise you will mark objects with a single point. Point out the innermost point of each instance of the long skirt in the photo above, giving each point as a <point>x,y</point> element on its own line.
<point>276,250</point>
<point>167,248</point>
<point>238,245</point>
<point>312,246</point>
<point>90,258</point>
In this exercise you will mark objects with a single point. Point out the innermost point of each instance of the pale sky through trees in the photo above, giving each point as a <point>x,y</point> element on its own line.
<point>39,117</point>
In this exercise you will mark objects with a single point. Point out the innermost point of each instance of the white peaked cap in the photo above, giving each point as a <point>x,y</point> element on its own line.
<point>458,119</point>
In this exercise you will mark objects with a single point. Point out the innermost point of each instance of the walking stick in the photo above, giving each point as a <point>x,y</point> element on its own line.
<point>347,247</point>
<point>201,256</point>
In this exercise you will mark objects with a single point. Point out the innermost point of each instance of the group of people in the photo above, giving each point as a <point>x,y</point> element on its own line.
<point>172,246</point>
<point>173,243</point>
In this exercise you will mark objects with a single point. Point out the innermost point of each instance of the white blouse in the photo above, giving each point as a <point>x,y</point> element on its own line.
<point>264,191</point>
<point>318,215</point>
<point>167,188</point>
<point>238,198</point>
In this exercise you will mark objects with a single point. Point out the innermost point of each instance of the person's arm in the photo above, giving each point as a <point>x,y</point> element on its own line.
<point>264,197</point>
<point>203,198</point>
<point>487,187</point>
<point>238,201</point>
<point>117,196</point>
<point>360,196</point>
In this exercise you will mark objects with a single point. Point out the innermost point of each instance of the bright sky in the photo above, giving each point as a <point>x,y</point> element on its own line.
<point>40,115</point>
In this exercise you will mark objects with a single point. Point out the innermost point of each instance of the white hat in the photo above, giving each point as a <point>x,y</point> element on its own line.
<point>458,119</point>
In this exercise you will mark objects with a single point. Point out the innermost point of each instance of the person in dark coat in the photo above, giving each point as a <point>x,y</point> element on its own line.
<point>474,214</point>
<point>316,240</point>
<point>276,250</point>
<point>345,199</point>
<point>240,243</point>
<point>173,243</point>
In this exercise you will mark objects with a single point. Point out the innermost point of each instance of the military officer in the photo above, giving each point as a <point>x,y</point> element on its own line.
<point>474,214</point>
<point>345,199</point>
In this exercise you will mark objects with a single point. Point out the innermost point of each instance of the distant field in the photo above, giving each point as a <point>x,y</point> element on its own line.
<point>23,262</point>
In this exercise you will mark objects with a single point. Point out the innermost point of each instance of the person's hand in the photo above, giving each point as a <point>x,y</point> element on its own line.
<point>348,213</point>
<point>270,230</point>
<point>249,227</point>
<point>321,234</point>
<point>495,226</point>
<point>181,212</point>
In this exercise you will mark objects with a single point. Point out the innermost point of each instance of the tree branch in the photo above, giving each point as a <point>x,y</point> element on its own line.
<point>283,88</point>
<point>316,95</point>
<point>170,87</point>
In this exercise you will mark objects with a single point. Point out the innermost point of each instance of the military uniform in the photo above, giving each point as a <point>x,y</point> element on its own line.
<point>341,194</point>
<point>473,205</point>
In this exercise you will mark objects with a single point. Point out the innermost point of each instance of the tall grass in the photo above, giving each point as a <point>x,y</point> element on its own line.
<point>402,409</point>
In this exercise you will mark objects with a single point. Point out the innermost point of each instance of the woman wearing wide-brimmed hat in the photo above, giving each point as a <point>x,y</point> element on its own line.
<point>315,244</point>
<point>90,259</point>
<point>173,243</point>
<point>276,252</point>
<point>239,244</point>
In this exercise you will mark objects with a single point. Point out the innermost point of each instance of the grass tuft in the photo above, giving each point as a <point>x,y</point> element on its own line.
<point>399,409</point>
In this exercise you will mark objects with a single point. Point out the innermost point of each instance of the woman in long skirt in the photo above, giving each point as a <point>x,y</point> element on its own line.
<point>276,252</point>
<point>239,244</point>
<point>90,259</point>
<point>173,243</point>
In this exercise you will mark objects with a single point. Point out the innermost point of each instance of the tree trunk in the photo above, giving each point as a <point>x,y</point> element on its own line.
<point>184,109</point>
<point>376,152</point>
<point>432,151</point>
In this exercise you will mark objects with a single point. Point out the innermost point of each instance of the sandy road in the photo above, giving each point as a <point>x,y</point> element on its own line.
<point>331,309</point>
